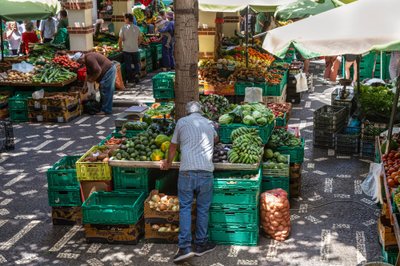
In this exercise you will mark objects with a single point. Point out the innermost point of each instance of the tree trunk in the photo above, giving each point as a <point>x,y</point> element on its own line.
<point>186,54</point>
<point>218,33</point>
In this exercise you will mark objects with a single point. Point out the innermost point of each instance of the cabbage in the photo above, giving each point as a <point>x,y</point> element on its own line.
<point>249,120</point>
<point>246,113</point>
<point>247,107</point>
<point>262,121</point>
<point>256,114</point>
<point>225,119</point>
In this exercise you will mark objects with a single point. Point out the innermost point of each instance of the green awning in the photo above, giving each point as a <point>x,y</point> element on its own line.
<point>305,8</point>
<point>18,10</point>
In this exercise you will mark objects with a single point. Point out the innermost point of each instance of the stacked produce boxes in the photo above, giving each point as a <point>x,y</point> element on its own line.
<point>6,135</point>
<point>64,191</point>
<point>149,60</point>
<point>59,107</point>
<point>161,216</point>
<point>18,106</point>
<point>4,95</point>
<point>328,120</point>
<point>276,173</point>
<point>156,49</point>
<point>369,131</point>
<point>234,212</point>
<point>113,217</point>
<point>163,85</point>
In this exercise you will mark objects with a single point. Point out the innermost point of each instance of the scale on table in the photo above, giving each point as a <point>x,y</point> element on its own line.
<point>343,92</point>
<point>133,113</point>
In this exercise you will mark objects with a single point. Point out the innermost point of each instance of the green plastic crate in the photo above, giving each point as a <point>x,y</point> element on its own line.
<point>235,196</point>
<point>240,87</point>
<point>390,255</point>
<point>113,207</point>
<point>284,172</point>
<point>233,214</point>
<point>142,54</point>
<point>241,235</point>
<point>19,115</point>
<point>132,179</point>
<point>19,101</point>
<point>280,121</point>
<point>269,183</point>
<point>276,90</point>
<point>296,153</point>
<point>59,179</point>
<point>163,81</point>
<point>164,94</point>
<point>166,181</point>
<point>128,134</point>
<point>68,197</point>
<point>225,131</point>
<point>232,179</point>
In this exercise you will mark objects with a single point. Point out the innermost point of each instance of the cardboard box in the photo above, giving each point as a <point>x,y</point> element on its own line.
<point>88,187</point>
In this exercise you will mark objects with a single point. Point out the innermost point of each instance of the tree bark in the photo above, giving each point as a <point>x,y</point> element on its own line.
<point>218,34</point>
<point>186,54</point>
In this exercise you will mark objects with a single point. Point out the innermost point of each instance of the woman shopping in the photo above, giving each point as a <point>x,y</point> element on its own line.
<point>13,37</point>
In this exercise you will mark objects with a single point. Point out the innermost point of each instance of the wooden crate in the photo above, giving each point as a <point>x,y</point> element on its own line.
<point>276,99</point>
<point>386,232</point>
<point>160,237</point>
<point>295,180</point>
<point>114,234</point>
<point>66,215</point>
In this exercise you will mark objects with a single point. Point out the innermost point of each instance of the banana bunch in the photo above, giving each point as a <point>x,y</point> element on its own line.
<point>247,147</point>
<point>139,15</point>
<point>242,131</point>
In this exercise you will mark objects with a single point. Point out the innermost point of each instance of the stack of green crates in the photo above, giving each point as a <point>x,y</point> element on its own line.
<point>276,176</point>
<point>234,211</point>
<point>163,85</point>
<point>149,59</point>
<point>63,185</point>
<point>156,53</point>
<point>18,106</point>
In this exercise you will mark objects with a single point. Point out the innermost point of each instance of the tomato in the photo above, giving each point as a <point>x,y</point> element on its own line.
<point>391,182</point>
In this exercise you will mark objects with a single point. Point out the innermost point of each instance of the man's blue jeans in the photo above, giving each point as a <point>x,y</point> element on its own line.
<point>201,183</point>
<point>129,59</point>
<point>107,88</point>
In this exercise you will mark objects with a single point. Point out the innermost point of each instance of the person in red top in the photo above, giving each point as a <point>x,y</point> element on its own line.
<point>29,36</point>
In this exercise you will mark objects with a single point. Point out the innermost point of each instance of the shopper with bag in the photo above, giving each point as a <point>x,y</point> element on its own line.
<point>195,135</point>
<point>101,70</point>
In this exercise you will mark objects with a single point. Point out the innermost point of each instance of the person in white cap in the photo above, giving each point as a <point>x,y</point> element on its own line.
<point>195,135</point>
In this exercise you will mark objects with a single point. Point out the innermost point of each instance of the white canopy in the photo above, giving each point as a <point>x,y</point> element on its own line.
<point>237,5</point>
<point>355,28</point>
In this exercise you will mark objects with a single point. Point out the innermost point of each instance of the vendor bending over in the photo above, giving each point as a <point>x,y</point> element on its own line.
<point>100,69</point>
<point>195,135</point>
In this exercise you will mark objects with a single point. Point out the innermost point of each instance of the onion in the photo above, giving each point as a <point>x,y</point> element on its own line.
<point>155,198</point>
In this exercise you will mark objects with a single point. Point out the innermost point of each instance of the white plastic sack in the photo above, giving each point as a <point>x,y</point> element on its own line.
<point>253,95</point>
<point>301,82</point>
<point>38,94</point>
<point>371,186</point>
<point>23,67</point>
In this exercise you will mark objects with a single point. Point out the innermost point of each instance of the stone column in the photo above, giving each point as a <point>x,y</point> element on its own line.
<point>80,27</point>
<point>120,8</point>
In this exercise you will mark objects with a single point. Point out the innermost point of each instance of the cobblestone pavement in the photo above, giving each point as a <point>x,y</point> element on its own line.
<point>333,222</point>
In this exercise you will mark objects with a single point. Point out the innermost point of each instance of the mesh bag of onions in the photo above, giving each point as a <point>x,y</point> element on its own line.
<point>275,214</point>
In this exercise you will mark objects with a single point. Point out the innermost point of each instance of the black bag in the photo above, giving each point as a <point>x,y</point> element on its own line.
<point>91,107</point>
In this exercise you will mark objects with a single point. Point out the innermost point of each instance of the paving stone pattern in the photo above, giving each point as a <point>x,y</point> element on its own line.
<point>333,222</point>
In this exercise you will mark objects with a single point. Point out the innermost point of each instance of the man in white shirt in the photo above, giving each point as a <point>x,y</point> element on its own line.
<point>129,40</point>
<point>48,29</point>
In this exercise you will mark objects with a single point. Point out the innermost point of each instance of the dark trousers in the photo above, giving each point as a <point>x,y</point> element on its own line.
<point>129,59</point>
<point>47,40</point>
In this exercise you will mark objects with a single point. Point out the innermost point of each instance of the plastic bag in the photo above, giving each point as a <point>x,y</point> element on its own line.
<point>119,81</point>
<point>371,186</point>
<point>301,82</point>
<point>23,67</point>
<point>253,95</point>
<point>38,94</point>
<point>275,214</point>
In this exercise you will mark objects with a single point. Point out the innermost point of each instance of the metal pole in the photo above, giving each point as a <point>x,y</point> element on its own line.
<point>381,76</point>
<point>393,114</point>
<point>2,44</point>
<point>247,36</point>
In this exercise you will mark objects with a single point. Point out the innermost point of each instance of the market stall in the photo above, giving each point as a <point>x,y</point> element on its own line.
<point>252,158</point>
<point>378,34</point>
